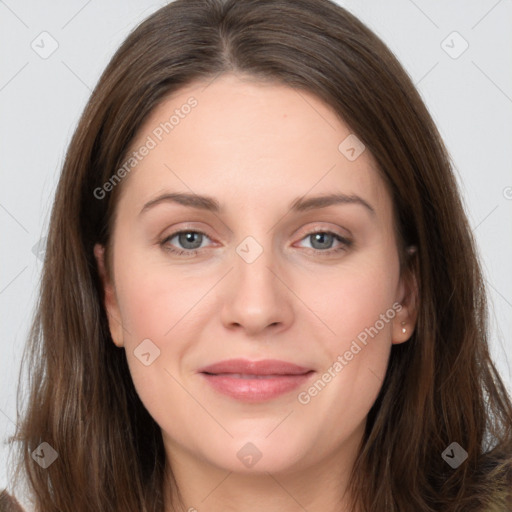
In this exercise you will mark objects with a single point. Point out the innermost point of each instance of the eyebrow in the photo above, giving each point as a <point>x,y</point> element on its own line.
<point>300,204</point>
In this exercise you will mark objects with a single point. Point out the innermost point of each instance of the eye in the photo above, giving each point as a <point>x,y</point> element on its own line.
<point>190,241</point>
<point>322,241</point>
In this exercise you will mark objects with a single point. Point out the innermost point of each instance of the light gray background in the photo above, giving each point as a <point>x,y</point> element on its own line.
<point>470,98</point>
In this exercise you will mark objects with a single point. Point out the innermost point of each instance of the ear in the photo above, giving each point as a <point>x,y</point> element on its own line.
<point>110,298</point>
<point>404,321</point>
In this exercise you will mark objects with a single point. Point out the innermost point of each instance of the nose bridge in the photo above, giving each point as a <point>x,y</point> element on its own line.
<point>252,269</point>
<point>256,298</point>
<point>253,263</point>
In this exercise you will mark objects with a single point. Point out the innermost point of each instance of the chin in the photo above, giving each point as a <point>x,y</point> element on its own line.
<point>257,456</point>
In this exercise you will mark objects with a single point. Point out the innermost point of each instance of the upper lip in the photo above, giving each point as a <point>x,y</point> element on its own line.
<point>247,367</point>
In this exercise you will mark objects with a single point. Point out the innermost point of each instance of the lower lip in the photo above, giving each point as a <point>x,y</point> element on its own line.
<point>257,389</point>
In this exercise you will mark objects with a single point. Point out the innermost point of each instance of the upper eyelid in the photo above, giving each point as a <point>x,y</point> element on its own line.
<point>306,230</point>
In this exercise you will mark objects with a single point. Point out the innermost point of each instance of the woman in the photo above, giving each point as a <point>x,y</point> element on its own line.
<point>252,371</point>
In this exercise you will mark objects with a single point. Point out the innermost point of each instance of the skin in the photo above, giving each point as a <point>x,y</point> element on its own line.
<point>255,147</point>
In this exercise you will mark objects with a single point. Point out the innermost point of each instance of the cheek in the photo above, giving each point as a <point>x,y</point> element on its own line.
<point>168,307</point>
<point>357,299</point>
<point>156,310</point>
<point>155,300</point>
<point>358,306</point>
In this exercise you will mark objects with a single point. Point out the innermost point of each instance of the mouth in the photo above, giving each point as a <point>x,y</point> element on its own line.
<point>248,376</point>
<point>255,381</point>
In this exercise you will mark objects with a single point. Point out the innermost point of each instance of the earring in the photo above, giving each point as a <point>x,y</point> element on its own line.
<point>404,330</point>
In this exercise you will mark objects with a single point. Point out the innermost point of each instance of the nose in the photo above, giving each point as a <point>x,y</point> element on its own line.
<point>257,297</point>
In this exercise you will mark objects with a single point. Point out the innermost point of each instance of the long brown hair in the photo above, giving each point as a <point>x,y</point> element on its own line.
<point>441,386</point>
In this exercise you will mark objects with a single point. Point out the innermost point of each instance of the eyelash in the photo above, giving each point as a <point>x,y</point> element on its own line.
<point>346,243</point>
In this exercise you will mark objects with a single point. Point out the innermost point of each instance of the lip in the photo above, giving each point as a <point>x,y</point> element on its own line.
<point>255,381</point>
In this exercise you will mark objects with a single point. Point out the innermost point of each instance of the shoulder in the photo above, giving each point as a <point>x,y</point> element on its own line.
<point>8,503</point>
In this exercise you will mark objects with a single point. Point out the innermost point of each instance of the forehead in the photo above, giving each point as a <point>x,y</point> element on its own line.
<point>248,142</point>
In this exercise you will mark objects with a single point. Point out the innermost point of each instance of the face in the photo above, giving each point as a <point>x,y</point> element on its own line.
<point>224,250</point>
